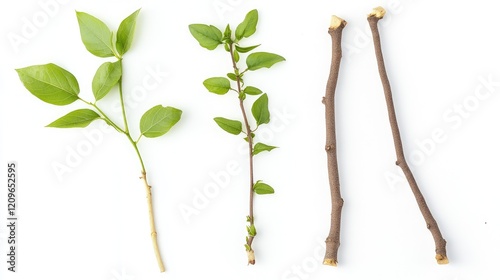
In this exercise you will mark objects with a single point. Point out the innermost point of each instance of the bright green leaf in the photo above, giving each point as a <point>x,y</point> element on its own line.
<point>105,78</point>
<point>262,59</point>
<point>252,90</point>
<point>236,56</point>
<point>227,33</point>
<point>232,76</point>
<point>159,120</point>
<point>261,147</point>
<point>260,110</point>
<point>245,49</point>
<point>125,34</point>
<point>262,188</point>
<point>50,83</point>
<point>248,248</point>
<point>96,35</point>
<point>251,135</point>
<point>249,25</point>
<point>218,85</point>
<point>231,126</point>
<point>77,118</point>
<point>252,231</point>
<point>242,95</point>
<point>209,37</point>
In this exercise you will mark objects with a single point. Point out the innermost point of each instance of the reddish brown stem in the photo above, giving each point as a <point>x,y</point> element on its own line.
<point>432,225</point>
<point>248,132</point>
<point>333,239</point>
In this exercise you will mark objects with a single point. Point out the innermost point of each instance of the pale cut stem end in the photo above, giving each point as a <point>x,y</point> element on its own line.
<point>442,259</point>
<point>251,257</point>
<point>336,22</point>
<point>377,12</point>
<point>330,262</point>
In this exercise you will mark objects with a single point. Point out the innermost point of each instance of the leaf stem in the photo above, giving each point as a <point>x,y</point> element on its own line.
<point>248,132</point>
<point>104,116</point>
<point>431,223</point>
<point>134,144</point>
<point>152,226</point>
<point>122,102</point>
<point>149,197</point>
<point>143,168</point>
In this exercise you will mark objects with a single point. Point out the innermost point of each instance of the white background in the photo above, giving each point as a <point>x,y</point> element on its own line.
<point>91,222</point>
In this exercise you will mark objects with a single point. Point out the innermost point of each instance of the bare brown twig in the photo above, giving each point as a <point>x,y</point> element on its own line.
<point>373,18</point>
<point>333,239</point>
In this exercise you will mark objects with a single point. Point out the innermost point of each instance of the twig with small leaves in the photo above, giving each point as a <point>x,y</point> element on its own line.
<point>373,18</point>
<point>57,86</point>
<point>333,240</point>
<point>210,37</point>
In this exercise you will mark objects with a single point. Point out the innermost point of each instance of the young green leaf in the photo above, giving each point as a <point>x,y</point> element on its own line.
<point>227,33</point>
<point>245,49</point>
<point>252,90</point>
<point>231,126</point>
<point>252,231</point>
<point>262,59</point>
<point>77,118</point>
<point>262,188</point>
<point>105,78</point>
<point>261,147</point>
<point>248,248</point>
<point>218,85</point>
<point>50,83</point>
<point>159,120</point>
<point>125,34</point>
<point>249,25</point>
<point>260,110</point>
<point>232,76</point>
<point>236,56</point>
<point>209,37</point>
<point>251,135</point>
<point>96,35</point>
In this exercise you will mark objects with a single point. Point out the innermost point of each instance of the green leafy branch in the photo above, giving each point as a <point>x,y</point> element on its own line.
<point>55,85</point>
<point>210,37</point>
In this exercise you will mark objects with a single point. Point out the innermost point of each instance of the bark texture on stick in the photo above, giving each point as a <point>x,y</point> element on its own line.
<point>333,239</point>
<point>373,18</point>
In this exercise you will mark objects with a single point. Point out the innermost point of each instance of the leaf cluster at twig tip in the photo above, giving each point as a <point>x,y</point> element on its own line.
<point>210,37</point>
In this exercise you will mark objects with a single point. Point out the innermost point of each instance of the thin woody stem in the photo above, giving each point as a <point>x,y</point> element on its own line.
<point>333,239</point>
<point>149,197</point>
<point>248,132</point>
<point>152,222</point>
<point>432,225</point>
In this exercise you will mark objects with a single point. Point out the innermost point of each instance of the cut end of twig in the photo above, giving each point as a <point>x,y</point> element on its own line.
<point>337,22</point>
<point>251,257</point>
<point>377,12</point>
<point>330,262</point>
<point>442,259</point>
